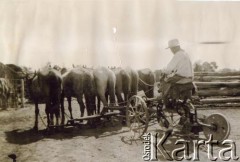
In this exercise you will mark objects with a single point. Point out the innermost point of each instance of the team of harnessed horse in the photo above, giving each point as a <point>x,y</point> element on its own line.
<point>107,89</point>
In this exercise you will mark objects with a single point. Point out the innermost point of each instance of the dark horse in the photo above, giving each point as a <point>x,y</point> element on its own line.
<point>46,85</point>
<point>146,82</point>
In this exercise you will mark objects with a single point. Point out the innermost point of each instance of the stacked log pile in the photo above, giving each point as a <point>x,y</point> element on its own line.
<point>218,89</point>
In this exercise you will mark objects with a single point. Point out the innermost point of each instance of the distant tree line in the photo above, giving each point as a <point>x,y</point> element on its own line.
<point>205,66</point>
<point>210,67</point>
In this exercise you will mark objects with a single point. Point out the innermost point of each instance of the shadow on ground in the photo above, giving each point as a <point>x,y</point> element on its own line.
<point>23,137</point>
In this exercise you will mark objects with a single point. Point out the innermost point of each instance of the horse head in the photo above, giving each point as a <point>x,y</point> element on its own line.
<point>42,75</point>
<point>30,76</point>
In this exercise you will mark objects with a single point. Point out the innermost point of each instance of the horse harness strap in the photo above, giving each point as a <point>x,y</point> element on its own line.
<point>146,83</point>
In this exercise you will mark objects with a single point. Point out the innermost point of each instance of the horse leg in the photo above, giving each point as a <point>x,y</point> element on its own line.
<point>126,97</point>
<point>81,104</point>
<point>36,116</point>
<point>112,97</point>
<point>62,109</point>
<point>106,96</point>
<point>104,101</point>
<point>70,107</point>
<point>123,111</point>
<point>90,109</point>
<point>98,104</point>
<point>57,112</point>
<point>119,98</point>
<point>111,92</point>
<point>90,104</point>
<point>134,86</point>
<point>93,104</point>
<point>47,113</point>
<point>51,117</point>
<point>87,101</point>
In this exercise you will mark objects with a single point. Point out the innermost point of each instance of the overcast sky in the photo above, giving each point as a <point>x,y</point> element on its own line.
<point>117,32</point>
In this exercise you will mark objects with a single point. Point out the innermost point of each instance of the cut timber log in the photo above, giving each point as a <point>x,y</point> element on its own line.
<point>209,106</point>
<point>207,85</point>
<point>221,92</point>
<point>216,74</point>
<point>228,100</point>
<point>216,78</point>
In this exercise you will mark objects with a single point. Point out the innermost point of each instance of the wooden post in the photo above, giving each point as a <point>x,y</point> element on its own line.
<point>22,93</point>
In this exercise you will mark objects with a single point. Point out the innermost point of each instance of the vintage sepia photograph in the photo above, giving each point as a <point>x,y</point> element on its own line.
<point>119,80</point>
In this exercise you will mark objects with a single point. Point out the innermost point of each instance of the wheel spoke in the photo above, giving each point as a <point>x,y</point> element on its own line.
<point>137,116</point>
<point>131,118</point>
<point>176,121</point>
<point>143,120</point>
<point>132,108</point>
<point>141,113</point>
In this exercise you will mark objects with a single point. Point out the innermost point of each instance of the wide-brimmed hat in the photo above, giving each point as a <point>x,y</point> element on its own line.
<point>173,43</point>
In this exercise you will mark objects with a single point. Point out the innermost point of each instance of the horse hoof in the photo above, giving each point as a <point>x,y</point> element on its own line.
<point>124,123</point>
<point>93,126</point>
<point>12,156</point>
<point>35,128</point>
<point>46,132</point>
<point>58,129</point>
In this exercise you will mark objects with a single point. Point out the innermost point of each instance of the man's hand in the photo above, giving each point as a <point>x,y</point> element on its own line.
<point>166,79</point>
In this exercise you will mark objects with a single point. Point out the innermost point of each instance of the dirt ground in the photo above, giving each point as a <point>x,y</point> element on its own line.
<point>106,143</point>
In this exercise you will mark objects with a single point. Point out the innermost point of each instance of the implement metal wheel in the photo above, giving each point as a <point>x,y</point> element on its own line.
<point>222,127</point>
<point>137,116</point>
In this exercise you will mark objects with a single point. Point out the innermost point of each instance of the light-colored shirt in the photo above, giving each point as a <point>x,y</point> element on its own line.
<point>180,65</point>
